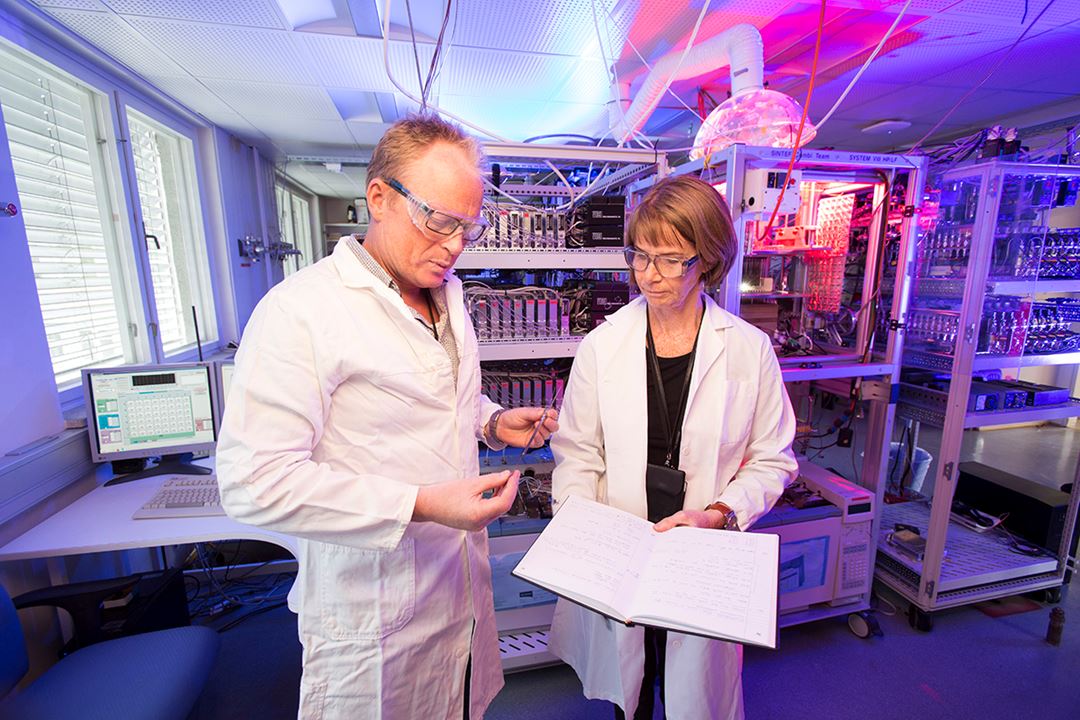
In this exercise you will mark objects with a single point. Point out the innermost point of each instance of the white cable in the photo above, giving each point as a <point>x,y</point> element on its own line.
<point>466,123</point>
<point>888,34</point>
<point>608,63</point>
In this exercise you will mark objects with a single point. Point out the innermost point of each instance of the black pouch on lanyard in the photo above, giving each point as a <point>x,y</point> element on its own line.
<point>666,487</point>
<point>666,484</point>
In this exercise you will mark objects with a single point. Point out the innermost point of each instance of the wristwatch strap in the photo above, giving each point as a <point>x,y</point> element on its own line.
<point>731,522</point>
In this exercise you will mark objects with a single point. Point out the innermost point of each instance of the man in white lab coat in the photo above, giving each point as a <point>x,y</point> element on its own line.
<point>352,423</point>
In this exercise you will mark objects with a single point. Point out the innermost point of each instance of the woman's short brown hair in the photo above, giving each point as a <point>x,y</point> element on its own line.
<point>689,208</point>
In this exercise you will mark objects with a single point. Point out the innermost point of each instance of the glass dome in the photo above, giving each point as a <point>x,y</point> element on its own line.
<point>761,117</point>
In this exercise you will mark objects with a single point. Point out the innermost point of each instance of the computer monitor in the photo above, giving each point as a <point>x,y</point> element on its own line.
<point>223,374</point>
<point>164,411</point>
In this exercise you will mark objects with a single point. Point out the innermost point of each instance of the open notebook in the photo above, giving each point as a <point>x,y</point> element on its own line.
<point>715,583</point>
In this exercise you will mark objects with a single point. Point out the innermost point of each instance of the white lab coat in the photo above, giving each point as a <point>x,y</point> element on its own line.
<point>736,448</point>
<point>341,406</point>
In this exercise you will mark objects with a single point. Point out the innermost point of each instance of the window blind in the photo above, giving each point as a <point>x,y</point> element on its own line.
<point>51,134</point>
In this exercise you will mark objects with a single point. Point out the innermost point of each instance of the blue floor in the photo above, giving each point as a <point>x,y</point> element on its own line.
<point>969,666</point>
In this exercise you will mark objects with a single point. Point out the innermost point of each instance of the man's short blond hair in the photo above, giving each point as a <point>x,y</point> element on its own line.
<point>409,138</point>
<point>692,210</point>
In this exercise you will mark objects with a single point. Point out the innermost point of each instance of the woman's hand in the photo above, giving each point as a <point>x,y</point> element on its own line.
<point>709,519</point>
<point>515,427</point>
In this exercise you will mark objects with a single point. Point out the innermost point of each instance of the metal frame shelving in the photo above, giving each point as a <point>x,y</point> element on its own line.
<point>523,631</point>
<point>878,370</point>
<point>960,566</point>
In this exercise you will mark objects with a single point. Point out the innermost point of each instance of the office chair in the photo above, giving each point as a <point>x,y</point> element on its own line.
<point>156,675</point>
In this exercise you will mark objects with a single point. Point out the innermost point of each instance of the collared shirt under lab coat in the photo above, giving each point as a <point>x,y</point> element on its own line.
<point>736,448</point>
<point>341,406</point>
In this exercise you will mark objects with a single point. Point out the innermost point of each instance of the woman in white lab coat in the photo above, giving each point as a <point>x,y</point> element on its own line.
<point>730,431</point>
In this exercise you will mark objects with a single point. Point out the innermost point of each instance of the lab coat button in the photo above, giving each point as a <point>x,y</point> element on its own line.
<point>676,643</point>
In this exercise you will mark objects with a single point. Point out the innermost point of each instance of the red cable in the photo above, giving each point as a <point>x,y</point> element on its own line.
<point>802,122</point>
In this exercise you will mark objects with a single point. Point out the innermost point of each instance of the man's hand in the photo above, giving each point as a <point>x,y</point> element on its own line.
<point>709,519</point>
<point>516,426</point>
<point>461,503</point>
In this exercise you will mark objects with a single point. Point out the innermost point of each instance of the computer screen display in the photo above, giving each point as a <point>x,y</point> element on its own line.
<point>148,411</point>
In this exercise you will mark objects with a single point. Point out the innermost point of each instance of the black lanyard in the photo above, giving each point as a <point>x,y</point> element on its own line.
<point>650,350</point>
<point>431,310</point>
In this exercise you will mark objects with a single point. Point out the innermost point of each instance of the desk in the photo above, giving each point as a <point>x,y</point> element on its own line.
<point>100,521</point>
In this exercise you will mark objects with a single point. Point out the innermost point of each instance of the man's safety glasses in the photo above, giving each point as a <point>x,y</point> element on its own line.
<point>437,221</point>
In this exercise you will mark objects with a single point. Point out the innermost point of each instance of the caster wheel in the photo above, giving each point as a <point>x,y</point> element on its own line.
<point>1052,595</point>
<point>864,625</point>
<point>919,620</point>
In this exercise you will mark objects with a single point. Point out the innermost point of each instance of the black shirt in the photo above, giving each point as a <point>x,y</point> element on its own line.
<point>673,373</point>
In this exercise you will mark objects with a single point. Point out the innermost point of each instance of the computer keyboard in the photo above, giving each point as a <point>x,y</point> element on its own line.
<point>183,496</point>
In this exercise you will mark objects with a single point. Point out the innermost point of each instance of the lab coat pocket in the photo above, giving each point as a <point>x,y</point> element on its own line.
<point>737,404</point>
<point>367,594</point>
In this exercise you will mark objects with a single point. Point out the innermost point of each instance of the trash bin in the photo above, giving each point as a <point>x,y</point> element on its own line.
<point>920,465</point>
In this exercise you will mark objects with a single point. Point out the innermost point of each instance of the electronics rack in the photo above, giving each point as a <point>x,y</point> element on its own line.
<point>995,288</point>
<point>846,223</point>
<point>511,330</point>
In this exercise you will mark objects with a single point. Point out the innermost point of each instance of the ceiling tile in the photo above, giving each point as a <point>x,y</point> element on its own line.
<point>283,128</point>
<point>250,99</point>
<point>847,135</point>
<point>1035,64</point>
<point>560,27</point>
<point>247,13</point>
<point>227,52</point>
<point>940,45</point>
<point>366,133</point>
<point>1017,15</point>
<point>351,62</point>
<point>468,71</point>
<point>71,4</point>
<point>119,40</point>
<point>194,94</point>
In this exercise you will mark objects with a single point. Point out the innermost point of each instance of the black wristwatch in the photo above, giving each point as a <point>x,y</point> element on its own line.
<point>731,522</point>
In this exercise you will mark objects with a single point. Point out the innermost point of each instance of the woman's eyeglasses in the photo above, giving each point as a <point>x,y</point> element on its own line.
<point>437,221</point>
<point>667,266</point>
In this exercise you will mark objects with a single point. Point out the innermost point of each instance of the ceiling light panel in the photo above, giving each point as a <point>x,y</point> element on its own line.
<point>352,62</point>
<point>227,52</point>
<point>245,13</point>
<point>301,102</point>
<point>117,39</point>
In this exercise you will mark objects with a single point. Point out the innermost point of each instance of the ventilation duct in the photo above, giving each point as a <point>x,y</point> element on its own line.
<point>752,115</point>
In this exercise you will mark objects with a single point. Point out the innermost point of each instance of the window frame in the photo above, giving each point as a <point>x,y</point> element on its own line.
<point>197,225</point>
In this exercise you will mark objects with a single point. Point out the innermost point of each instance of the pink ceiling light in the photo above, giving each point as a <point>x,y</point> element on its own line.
<point>753,117</point>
